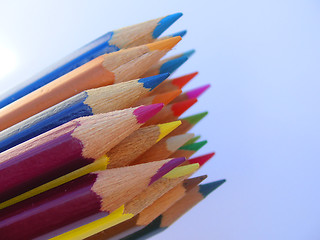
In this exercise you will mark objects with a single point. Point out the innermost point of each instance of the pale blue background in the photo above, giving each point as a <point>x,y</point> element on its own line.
<point>262,59</point>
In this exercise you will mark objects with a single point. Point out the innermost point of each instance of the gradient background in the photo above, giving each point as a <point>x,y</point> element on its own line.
<point>262,59</point>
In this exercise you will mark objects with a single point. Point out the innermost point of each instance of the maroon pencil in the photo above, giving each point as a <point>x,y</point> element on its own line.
<point>80,201</point>
<point>66,148</point>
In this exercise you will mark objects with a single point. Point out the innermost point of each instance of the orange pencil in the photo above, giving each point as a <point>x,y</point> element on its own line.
<point>104,70</point>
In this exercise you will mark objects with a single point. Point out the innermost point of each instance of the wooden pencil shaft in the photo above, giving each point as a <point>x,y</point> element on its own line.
<point>94,101</point>
<point>88,195</point>
<point>104,70</point>
<point>62,150</point>
<point>112,41</point>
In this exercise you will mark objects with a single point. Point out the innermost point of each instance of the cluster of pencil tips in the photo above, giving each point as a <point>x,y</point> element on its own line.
<point>93,148</point>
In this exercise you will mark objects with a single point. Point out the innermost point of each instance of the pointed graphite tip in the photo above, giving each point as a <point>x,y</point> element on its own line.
<point>167,167</point>
<point>195,93</point>
<point>180,82</point>
<point>153,81</point>
<point>144,113</point>
<point>166,97</point>
<point>192,140</point>
<point>182,171</point>
<point>180,107</point>
<point>165,44</point>
<point>173,64</point>
<point>194,119</point>
<point>202,159</point>
<point>165,23</point>
<point>166,128</point>
<point>190,183</point>
<point>181,33</point>
<point>194,146</point>
<point>206,189</point>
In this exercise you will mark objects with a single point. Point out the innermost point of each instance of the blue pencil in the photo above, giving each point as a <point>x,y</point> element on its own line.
<point>110,42</point>
<point>170,64</point>
<point>89,102</point>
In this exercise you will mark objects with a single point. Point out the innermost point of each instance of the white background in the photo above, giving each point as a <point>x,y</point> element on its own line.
<point>262,60</point>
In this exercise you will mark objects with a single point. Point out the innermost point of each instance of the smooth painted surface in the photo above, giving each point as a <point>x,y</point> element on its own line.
<point>262,61</point>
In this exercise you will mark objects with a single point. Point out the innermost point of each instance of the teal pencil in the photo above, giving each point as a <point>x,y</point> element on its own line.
<point>161,223</point>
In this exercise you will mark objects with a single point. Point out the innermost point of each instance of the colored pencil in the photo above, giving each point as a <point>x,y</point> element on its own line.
<point>194,93</point>
<point>193,140</point>
<point>173,84</point>
<point>192,198</point>
<point>135,35</point>
<point>137,143</point>
<point>188,150</point>
<point>188,123</point>
<point>164,98</point>
<point>176,34</point>
<point>201,159</point>
<point>66,148</point>
<point>169,65</point>
<point>92,196</point>
<point>93,101</point>
<point>104,70</point>
<point>164,148</point>
<point>171,112</point>
<point>121,155</point>
<point>133,207</point>
<point>149,213</point>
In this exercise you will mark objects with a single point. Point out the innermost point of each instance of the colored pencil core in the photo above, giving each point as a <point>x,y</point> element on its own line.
<point>195,93</point>
<point>181,107</point>
<point>172,65</point>
<point>202,159</point>
<point>164,23</point>
<point>144,113</point>
<point>166,128</point>
<point>153,81</point>
<point>166,168</point>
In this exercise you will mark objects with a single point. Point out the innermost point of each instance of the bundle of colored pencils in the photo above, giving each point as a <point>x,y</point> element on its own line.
<point>93,147</point>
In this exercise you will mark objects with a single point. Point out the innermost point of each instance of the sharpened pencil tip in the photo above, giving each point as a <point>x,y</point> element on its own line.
<point>180,82</point>
<point>167,97</point>
<point>167,128</point>
<point>153,81</point>
<point>173,64</point>
<point>167,167</point>
<point>194,146</point>
<point>189,53</point>
<point>206,189</point>
<point>180,107</point>
<point>190,183</point>
<point>182,171</point>
<point>194,119</point>
<point>165,44</point>
<point>195,93</point>
<point>192,140</point>
<point>144,113</point>
<point>181,34</point>
<point>202,159</point>
<point>165,23</point>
